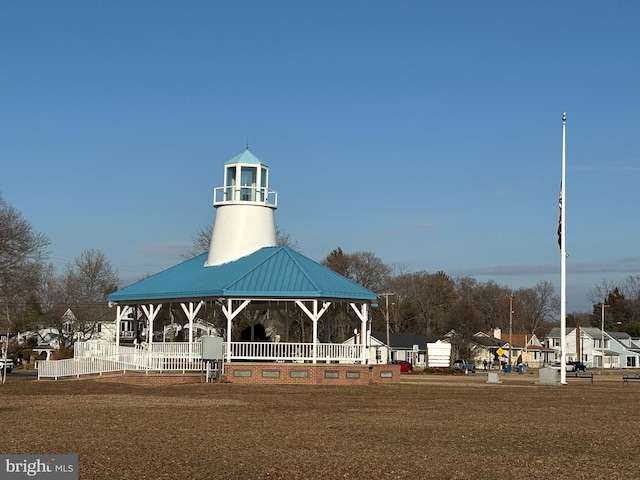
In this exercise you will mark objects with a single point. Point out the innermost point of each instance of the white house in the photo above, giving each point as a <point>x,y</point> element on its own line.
<point>411,347</point>
<point>596,348</point>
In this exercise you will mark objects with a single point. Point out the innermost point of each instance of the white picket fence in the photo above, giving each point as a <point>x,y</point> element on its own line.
<point>120,359</point>
<point>97,358</point>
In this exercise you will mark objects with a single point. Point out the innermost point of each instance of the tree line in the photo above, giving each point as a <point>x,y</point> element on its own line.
<point>434,304</point>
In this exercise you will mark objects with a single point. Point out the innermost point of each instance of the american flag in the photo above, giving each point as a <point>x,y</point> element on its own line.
<point>560,218</point>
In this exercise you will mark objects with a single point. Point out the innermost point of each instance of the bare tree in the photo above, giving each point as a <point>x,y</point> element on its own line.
<point>630,288</point>
<point>364,268</point>
<point>48,288</point>
<point>369,271</point>
<point>283,239</point>
<point>339,262</point>
<point>22,255</point>
<point>601,292</point>
<point>84,287</point>
<point>623,300</point>
<point>465,321</point>
<point>201,241</point>
<point>537,305</point>
<point>488,298</point>
<point>423,302</point>
<point>90,278</point>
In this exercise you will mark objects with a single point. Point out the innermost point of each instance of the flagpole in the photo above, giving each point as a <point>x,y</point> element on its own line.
<point>563,263</point>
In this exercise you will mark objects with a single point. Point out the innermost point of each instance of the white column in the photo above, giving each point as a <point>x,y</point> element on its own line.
<point>121,313</point>
<point>314,316</point>
<point>363,333</point>
<point>151,312</point>
<point>314,320</point>
<point>229,316</point>
<point>191,311</point>
<point>363,313</point>
<point>118,321</point>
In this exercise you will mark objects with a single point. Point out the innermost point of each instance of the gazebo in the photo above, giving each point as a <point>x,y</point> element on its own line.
<point>245,270</point>
<point>268,280</point>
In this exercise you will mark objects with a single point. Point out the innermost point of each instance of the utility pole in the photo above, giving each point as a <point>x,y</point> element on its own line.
<point>386,296</point>
<point>510,326</point>
<point>602,337</point>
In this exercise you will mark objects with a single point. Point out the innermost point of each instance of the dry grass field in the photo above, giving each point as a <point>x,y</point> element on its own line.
<point>428,427</point>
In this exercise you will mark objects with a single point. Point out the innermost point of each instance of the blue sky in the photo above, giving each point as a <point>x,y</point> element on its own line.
<point>426,132</point>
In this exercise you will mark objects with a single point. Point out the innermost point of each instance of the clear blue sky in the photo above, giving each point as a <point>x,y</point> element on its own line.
<point>426,132</point>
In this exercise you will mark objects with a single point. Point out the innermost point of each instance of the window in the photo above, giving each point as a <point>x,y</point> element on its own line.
<point>263,184</point>
<point>248,178</point>
<point>230,182</point>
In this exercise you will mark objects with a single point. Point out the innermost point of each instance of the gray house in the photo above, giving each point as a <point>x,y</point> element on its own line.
<point>597,348</point>
<point>627,348</point>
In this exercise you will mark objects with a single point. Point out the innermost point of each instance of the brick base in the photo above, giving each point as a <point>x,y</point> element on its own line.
<point>271,374</point>
<point>307,373</point>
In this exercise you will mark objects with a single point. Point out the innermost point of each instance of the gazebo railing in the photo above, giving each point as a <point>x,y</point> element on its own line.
<point>296,352</point>
<point>99,357</point>
<point>172,349</point>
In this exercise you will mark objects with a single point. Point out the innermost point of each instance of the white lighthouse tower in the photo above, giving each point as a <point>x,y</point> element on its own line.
<point>245,209</point>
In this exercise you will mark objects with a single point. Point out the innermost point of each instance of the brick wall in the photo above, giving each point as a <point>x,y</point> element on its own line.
<point>307,373</point>
<point>273,374</point>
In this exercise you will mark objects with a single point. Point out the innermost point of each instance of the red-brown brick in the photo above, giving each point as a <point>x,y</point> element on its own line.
<point>307,373</point>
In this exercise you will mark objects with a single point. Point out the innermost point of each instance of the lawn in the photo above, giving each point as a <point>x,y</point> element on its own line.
<point>431,427</point>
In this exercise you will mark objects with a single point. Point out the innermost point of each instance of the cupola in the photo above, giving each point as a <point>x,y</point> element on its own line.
<point>245,207</point>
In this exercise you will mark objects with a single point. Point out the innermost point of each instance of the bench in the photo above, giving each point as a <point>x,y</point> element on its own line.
<point>626,378</point>
<point>584,376</point>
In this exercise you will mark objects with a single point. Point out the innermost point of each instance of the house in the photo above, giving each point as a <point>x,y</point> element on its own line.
<point>81,323</point>
<point>531,350</point>
<point>488,348</point>
<point>627,349</point>
<point>596,348</point>
<point>411,347</point>
<point>43,341</point>
<point>526,348</point>
<point>581,344</point>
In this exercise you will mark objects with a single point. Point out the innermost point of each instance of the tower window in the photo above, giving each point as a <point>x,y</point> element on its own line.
<point>248,178</point>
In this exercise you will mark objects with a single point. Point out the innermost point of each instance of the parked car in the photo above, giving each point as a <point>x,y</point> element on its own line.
<point>571,366</point>
<point>577,367</point>
<point>6,363</point>
<point>405,367</point>
<point>464,366</point>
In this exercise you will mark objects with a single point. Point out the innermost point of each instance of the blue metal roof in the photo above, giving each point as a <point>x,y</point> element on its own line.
<point>271,272</point>
<point>245,157</point>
